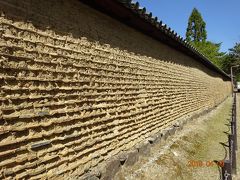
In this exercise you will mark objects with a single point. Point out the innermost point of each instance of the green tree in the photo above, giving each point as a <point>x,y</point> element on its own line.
<point>196,35</point>
<point>235,52</point>
<point>232,59</point>
<point>196,30</point>
<point>211,51</point>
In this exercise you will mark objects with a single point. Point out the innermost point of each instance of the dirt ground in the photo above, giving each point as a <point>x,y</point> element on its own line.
<point>237,177</point>
<point>190,153</point>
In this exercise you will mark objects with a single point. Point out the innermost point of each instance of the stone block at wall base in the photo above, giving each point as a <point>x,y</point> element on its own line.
<point>89,177</point>
<point>111,169</point>
<point>132,157</point>
<point>144,148</point>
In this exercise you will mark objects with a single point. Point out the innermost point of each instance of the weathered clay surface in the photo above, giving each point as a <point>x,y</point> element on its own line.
<point>78,87</point>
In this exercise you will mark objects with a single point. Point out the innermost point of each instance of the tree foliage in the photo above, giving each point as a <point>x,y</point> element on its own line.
<point>235,52</point>
<point>232,59</point>
<point>211,51</point>
<point>196,34</point>
<point>196,30</point>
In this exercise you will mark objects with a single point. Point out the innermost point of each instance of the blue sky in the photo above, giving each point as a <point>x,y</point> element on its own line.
<point>222,17</point>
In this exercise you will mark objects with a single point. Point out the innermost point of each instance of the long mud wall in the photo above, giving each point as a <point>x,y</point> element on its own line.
<point>78,87</point>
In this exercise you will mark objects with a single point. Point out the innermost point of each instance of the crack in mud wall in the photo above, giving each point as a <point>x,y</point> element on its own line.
<point>78,87</point>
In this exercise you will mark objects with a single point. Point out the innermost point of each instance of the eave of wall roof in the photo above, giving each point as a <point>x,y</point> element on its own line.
<point>131,14</point>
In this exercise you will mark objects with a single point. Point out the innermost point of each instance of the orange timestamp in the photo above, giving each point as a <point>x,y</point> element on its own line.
<point>199,163</point>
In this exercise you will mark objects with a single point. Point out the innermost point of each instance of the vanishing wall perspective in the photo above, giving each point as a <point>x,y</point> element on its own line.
<point>78,87</point>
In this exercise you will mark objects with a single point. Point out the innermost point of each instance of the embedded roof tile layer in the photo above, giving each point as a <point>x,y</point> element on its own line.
<point>137,17</point>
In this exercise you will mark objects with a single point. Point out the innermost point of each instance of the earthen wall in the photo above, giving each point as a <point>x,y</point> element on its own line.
<point>78,87</point>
